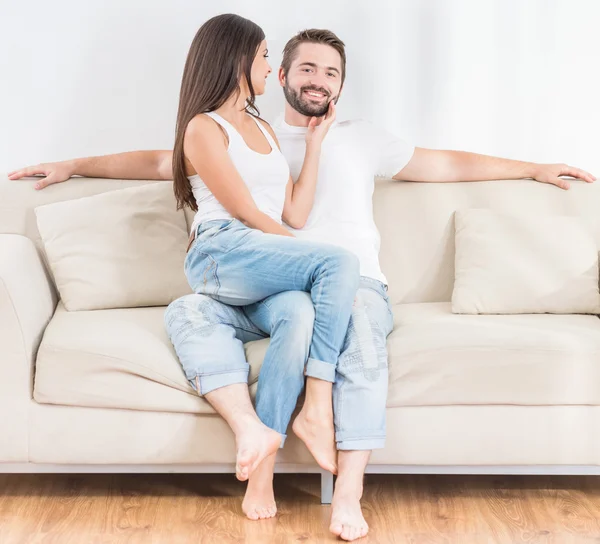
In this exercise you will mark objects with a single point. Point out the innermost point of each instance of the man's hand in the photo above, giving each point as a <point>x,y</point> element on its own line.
<point>54,172</point>
<point>549,173</point>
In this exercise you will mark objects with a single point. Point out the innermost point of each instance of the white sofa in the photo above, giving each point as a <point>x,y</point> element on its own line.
<point>102,391</point>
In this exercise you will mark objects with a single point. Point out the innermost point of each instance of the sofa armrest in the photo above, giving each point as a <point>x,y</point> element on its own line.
<point>27,302</point>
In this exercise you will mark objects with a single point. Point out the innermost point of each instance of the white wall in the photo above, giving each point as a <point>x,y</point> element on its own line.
<point>514,78</point>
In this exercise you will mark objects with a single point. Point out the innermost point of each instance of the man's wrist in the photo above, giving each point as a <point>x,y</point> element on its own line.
<point>529,170</point>
<point>73,166</point>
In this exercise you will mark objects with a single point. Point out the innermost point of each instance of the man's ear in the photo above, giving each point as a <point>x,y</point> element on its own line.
<point>281,76</point>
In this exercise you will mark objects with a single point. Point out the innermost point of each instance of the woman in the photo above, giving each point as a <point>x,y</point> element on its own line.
<point>228,168</point>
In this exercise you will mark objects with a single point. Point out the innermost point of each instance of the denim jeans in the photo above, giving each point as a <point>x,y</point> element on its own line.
<point>361,386</point>
<point>237,265</point>
<point>208,337</point>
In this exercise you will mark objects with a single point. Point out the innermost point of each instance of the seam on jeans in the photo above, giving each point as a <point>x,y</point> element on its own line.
<point>260,333</point>
<point>361,437</point>
<point>211,267</point>
<point>230,371</point>
<point>182,337</point>
<point>263,303</point>
<point>338,408</point>
<point>198,377</point>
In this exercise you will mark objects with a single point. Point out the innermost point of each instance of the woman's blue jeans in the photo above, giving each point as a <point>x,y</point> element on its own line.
<point>239,266</point>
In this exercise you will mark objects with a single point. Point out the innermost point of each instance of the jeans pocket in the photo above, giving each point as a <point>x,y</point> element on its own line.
<point>208,235</point>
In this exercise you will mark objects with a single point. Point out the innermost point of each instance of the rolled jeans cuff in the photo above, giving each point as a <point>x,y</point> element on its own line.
<point>363,442</point>
<point>210,382</point>
<point>320,370</point>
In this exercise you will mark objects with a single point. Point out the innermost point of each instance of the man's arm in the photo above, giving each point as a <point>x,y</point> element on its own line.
<point>131,165</point>
<point>432,165</point>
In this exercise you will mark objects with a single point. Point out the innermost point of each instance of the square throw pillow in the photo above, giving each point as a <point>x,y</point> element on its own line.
<point>515,264</point>
<point>120,249</point>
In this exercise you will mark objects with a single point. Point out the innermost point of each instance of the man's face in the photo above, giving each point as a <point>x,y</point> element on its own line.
<point>313,80</point>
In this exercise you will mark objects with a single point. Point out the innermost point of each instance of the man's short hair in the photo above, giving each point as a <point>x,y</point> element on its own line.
<point>313,35</point>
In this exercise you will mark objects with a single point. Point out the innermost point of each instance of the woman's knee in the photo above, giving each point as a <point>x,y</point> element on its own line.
<point>295,308</point>
<point>346,264</point>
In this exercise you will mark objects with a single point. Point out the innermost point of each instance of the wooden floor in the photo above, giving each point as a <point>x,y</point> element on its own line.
<point>205,508</point>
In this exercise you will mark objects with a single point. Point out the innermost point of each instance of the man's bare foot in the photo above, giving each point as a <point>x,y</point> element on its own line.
<point>259,501</point>
<point>347,520</point>
<point>254,444</point>
<point>316,431</point>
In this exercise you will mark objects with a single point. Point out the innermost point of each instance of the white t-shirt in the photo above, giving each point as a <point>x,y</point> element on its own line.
<point>352,155</point>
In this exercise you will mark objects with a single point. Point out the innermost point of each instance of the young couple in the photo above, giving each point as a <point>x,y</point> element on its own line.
<point>283,244</point>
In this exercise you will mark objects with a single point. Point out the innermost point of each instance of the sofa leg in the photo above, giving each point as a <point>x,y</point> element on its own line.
<point>326,487</point>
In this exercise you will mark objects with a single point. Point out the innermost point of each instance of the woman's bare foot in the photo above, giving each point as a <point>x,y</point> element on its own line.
<point>314,424</point>
<point>347,520</point>
<point>259,501</point>
<point>316,431</point>
<point>255,443</point>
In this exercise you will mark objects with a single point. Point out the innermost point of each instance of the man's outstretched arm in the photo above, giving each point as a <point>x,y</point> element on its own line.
<point>439,166</point>
<point>130,165</point>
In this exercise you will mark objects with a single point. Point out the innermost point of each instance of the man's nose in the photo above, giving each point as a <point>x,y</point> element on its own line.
<point>318,80</point>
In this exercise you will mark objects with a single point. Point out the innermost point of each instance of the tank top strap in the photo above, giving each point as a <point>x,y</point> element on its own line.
<point>266,133</point>
<point>232,133</point>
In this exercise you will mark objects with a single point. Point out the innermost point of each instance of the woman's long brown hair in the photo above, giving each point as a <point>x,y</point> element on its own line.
<point>222,52</point>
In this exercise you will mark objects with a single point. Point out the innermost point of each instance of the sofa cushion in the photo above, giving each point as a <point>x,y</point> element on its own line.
<point>522,264</point>
<point>119,358</point>
<point>123,359</point>
<point>119,249</point>
<point>440,358</point>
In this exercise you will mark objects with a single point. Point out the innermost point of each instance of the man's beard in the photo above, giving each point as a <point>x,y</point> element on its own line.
<point>304,106</point>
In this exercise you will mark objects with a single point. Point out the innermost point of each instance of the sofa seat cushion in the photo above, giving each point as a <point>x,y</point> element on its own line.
<point>440,358</point>
<point>122,358</point>
<point>119,358</point>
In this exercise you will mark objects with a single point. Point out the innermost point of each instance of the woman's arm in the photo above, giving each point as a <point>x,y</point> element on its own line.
<point>205,148</point>
<point>300,196</point>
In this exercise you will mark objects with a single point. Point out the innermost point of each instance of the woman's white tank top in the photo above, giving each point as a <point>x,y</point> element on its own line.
<point>266,176</point>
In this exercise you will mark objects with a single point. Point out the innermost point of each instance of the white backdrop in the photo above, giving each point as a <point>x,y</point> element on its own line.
<point>514,78</point>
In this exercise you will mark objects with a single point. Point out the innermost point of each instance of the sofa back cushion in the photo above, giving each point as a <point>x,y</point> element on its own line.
<point>120,249</point>
<point>524,264</point>
<point>415,220</point>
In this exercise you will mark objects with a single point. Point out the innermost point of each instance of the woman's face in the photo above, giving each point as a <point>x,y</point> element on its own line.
<point>260,69</point>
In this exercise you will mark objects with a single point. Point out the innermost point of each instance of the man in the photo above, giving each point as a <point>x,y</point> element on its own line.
<point>312,74</point>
